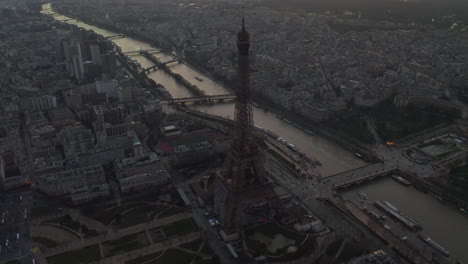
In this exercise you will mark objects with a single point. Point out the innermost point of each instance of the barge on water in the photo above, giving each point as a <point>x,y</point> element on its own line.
<point>435,245</point>
<point>283,119</point>
<point>401,180</point>
<point>397,214</point>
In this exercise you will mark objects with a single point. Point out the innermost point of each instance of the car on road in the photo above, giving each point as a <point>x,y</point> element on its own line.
<point>211,222</point>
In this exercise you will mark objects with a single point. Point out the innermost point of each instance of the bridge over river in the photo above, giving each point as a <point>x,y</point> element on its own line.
<point>202,99</point>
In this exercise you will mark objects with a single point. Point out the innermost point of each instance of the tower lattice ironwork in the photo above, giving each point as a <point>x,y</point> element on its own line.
<point>246,171</point>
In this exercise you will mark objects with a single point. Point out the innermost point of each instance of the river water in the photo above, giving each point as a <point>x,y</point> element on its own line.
<point>439,221</point>
<point>334,159</point>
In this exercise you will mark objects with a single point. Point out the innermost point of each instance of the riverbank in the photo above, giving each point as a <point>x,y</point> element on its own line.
<point>312,128</point>
<point>440,220</point>
<point>308,126</point>
<point>142,78</point>
<point>179,78</point>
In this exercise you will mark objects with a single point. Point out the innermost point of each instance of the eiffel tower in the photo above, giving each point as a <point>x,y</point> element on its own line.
<point>248,188</point>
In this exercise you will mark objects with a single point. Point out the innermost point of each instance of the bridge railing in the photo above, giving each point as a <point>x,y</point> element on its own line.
<point>339,174</point>
<point>204,98</point>
<point>347,182</point>
<point>115,36</point>
<point>143,50</point>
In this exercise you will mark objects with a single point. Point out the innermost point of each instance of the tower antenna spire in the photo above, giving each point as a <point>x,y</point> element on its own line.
<point>243,18</point>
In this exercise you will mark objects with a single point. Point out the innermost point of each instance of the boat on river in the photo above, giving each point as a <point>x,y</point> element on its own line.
<point>362,195</point>
<point>463,210</point>
<point>401,180</point>
<point>435,245</point>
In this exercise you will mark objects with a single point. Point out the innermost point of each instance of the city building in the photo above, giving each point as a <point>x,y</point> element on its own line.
<point>124,92</point>
<point>43,102</point>
<point>109,64</point>
<point>74,59</point>
<point>128,167</point>
<point>95,54</point>
<point>2,170</point>
<point>171,131</point>
<point>108,87</point>
<point>191,154</point>
<point>76,141</point>
<point>65,181</point>
<point>88,193</point>
<point>377,257</point>
<point>139,182</point>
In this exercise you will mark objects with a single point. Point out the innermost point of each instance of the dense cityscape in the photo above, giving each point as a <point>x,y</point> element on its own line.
<point>232,132</point>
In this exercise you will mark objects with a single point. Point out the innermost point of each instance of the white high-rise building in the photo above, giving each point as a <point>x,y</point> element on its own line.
<point>74,60</point>
<point>78,69</point>
<point>95,54</point>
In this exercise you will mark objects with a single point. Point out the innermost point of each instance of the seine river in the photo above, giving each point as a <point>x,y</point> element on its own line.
<point>441,222</point>
<point>334,159</point>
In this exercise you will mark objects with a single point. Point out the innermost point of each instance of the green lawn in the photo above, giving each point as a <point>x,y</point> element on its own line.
<point>82,256</point>
<point>174,255</point>
<point>135,213</point>
<point>172,211</point>
<point>48,243</point>
<point>194,245</point>
<point>107,213</point>
<point>124,244</point>
<point>351,125</point>
<point>42,211</point>
<point>207,249</point>
<point>351,250</point>
<point>333,248</point>
<point>393,124</point>
<point>144,259</point>
<point>66,230</point>
<point>190,139</point>
<point>156,234</point>
<point>102,213</point>
<point>137,216</point>
<point>446,154</point>
<point>181,227</point>
<point>272,228</point>
<point>460,171</point>
<point>65,221</point>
